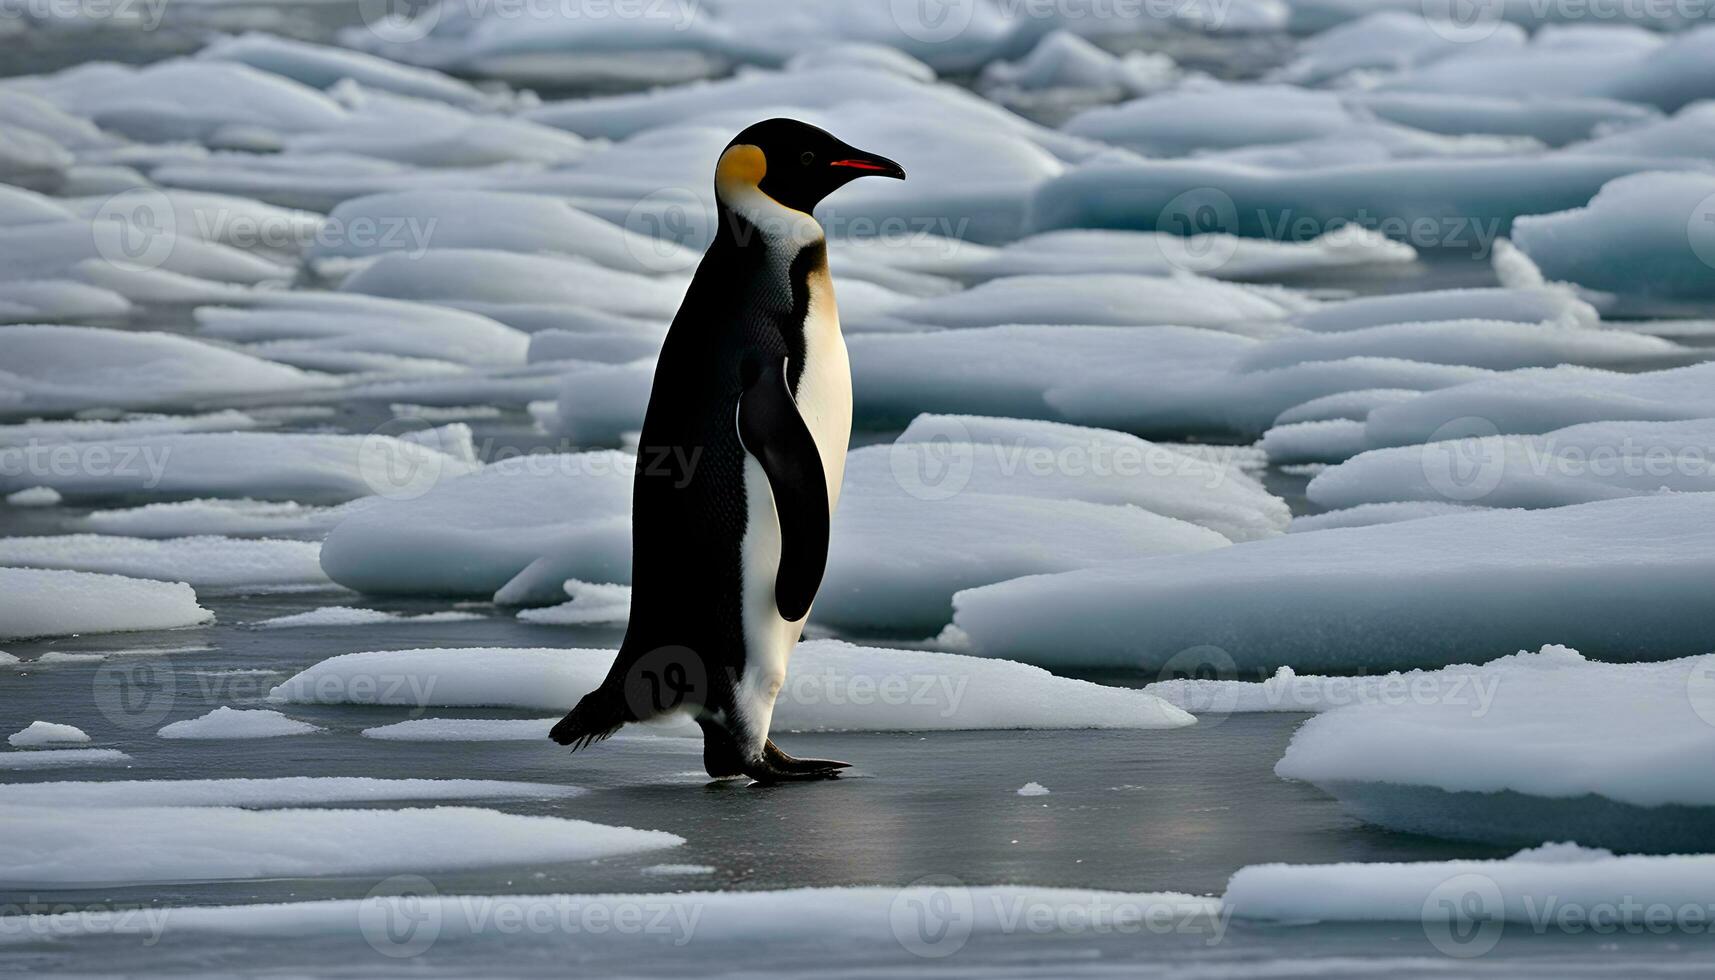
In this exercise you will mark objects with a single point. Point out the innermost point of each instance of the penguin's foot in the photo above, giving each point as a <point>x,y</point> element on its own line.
<point>776,766</point>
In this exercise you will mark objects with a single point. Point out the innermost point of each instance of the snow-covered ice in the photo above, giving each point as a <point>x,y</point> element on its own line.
<point>34,497</point>
<point>237,723</point>
<point>126,845</point>
<point>830,686</point>
<point>1618,577</point>
<point>356,616</point>
<point>200,562</point>
<point>61,758</point>
<point>46,733</point>
<point>51,602</point>
<point>1532,746</point>
<point>274,791</point>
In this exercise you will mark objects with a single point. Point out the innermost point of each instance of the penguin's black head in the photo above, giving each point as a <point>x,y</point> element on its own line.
<point>794,163</point>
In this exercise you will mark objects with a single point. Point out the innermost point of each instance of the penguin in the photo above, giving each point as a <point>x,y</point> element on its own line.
<point>740,463</point>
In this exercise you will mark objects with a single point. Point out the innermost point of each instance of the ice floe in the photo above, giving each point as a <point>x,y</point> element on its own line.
<point>830,686</point>
<point>299,327</point>
<point>34,497</point>
<point>1636,736</point>
<point>145,845</point>
<point>1464,905</point>
<point>1643,246</point>
<point>49,602</point>
<point>229,518</point>
<point>1577,464</point>
<point>591,602</point>
<point>307,467</point>
<point>237,723</point>
<point>350,616</point>
<point>61,758</point>
<point>1541,400</point>
<point>57,370</point>
<point>46,733</point>
<point>1617,578</point>
<point>272,791</point>
<point>200,561</point>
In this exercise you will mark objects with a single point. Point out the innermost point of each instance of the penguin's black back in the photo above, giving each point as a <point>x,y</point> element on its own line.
<point>689,508</point>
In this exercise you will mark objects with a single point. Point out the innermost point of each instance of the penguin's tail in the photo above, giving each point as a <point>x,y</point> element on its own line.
<point>599,714</point>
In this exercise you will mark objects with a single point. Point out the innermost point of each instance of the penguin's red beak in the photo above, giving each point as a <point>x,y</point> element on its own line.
<point>869,164</point>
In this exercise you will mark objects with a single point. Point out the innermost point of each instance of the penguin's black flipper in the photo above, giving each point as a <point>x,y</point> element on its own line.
<point>771,430</point>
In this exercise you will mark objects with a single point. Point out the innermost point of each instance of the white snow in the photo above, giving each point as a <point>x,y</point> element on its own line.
<point>242,517</point>
<point>124,845</point>
<point>1161,253</point>
<point>678,869</point>
<point>353,616</point>
<point>296,326</point>
<point>59,758</point>
<point>1033,789</point>
<point>46,733</point>
<point>275,791</point>
<point>237,723</point>
<point>44,602</point>
<point>1106,300</point>
<point>83,430</point>
<point>1619,576</point>
<point>1534,745</point>
<point>1521,304</point>
<point>830,686</point>
<point>200,561</point>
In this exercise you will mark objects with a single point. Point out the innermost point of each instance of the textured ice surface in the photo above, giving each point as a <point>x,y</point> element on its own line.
<point>50,602</point>
<point>61,758</point>
<point>201,561</point>
<point>38,733</point>
<point>1532,746</point>
<point>830,686</point>
<point>237,723</point>
<point>353,616</point>
<point>142,845</point>
<point>1617,579</point>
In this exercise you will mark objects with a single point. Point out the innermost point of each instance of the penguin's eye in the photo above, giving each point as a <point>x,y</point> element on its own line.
<point>806,158</point>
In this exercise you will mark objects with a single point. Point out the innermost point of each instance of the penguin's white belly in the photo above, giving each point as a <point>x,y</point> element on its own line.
<point>824,400</point>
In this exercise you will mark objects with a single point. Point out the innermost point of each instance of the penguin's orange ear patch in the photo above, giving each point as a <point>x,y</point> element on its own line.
<point>741,166</point>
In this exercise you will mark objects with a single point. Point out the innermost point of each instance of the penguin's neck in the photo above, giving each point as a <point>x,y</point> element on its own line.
<point>748,218</point>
